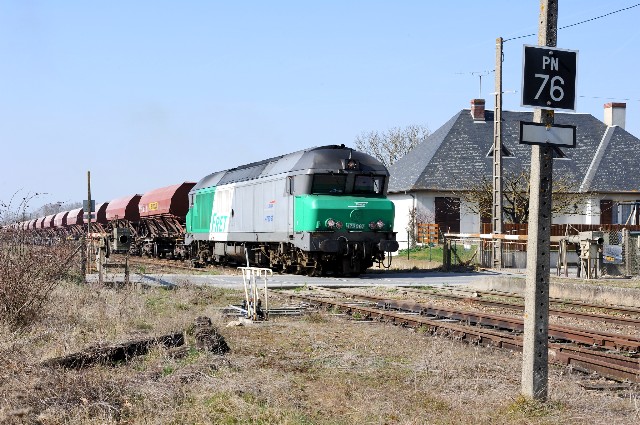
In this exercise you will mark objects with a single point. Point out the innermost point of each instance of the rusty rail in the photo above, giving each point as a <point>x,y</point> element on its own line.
<point>566,333</point>
<point>555,311</point>
<point>610,365</point>
<point>572,303</point>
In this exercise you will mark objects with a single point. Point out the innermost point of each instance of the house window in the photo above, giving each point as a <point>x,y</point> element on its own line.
<point>629,213</point>
<point>612,212</point>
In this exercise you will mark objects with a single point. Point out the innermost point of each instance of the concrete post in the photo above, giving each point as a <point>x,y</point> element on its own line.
<point>496,211</point>
<point>626,246</point>
<point>536,316</point>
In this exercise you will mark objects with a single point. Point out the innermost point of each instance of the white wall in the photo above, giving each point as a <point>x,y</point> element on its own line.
<point>425,203</point>
<point>589,210</point>
<point>469,221</point>
<point>403,204</point>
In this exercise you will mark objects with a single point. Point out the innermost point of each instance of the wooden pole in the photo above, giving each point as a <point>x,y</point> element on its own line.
<point>89,240</point>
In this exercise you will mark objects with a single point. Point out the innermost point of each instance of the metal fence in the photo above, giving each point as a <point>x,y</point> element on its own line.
<point>627,244</point>
<point>633,253</point>
<point>21,249</point>
<point>476,252</point>
<point>465,250</point>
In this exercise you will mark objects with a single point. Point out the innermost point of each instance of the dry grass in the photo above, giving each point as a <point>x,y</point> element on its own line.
<point>319,369</point>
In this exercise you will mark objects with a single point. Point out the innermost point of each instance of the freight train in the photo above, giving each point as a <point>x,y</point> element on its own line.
<point>318,211</point>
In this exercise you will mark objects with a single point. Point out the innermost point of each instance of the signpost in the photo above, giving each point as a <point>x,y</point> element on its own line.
<point>533,133</point>
<point>91,206</point>
<point>549,78</point>
<point>548,82</point>
<point>85,205</point>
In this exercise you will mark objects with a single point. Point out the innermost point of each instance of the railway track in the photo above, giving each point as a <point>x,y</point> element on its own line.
<point>621,320</point>
<point>156,262</point>
<point>627,343</point>
<point>554,301</point>
<point>582,350</point>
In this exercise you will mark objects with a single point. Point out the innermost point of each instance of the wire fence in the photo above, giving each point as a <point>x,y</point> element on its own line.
<point>618,255</point>
<point>478,253</point>
<point>22,249</point>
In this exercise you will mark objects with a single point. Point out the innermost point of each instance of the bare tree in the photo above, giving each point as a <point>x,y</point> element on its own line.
<point>391,145</point>
<point>54,208</point>
<point>16,208</point>
<point>478,196</point>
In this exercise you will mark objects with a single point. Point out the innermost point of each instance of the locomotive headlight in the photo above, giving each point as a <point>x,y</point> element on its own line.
<point>331,223</point>
<point>338,225</point>
<point>380,224</point>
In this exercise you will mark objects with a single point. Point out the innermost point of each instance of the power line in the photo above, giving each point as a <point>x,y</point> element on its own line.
<point>579,23</point>
<point>610,98</point>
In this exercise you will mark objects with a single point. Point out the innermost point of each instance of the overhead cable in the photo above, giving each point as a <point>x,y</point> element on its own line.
<point>578,23</point>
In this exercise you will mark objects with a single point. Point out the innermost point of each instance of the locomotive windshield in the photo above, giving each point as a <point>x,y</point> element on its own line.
<point>329,183</point>
<point>368,184</point>
<point>336,184</point>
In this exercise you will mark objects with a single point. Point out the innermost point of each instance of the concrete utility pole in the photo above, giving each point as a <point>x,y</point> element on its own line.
<point>89,239</point>
<point>536,315</point>
<point>496,212</point>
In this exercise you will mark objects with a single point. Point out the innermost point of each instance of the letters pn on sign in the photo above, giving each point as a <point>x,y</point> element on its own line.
<point>546,60</point>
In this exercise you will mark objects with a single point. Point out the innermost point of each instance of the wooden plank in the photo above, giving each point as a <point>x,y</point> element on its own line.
<point>114,353</point>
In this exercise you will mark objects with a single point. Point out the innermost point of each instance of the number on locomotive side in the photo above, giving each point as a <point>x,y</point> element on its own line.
<point>553,89</point>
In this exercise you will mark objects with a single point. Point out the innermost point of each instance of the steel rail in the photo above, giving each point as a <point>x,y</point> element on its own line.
<point>600,339</point>
<point>573,303</point>
<point>612,366</point>
<point>557,312</point>
<point>161,263</point>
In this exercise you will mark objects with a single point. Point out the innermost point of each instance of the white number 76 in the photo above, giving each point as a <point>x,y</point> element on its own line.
<point>554,88</point>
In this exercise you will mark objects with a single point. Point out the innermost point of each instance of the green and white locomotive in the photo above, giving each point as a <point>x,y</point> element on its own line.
<point>317,211</point>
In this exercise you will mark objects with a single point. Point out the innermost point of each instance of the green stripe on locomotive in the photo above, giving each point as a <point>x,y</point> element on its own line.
<point>354,212</point>
<point>199,215</point>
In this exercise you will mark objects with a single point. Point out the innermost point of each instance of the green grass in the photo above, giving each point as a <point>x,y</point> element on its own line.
<point>423,253</point>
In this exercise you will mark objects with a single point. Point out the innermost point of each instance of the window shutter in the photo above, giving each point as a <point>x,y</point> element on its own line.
<point>606,207</point>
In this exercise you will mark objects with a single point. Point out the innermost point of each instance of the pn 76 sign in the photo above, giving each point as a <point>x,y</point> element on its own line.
<point>549,78</point>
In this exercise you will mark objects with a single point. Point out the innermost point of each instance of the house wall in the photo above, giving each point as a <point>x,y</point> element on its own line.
<point>403,204</point>
<point>469,221</point>
<point>425,203</point>
<point>587,213</point>
<point>621,213</point>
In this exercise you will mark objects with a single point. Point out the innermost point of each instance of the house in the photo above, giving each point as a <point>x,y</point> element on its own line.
<point>604,168</point>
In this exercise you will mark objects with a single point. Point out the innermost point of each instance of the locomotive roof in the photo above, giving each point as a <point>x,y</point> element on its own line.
<point>319,158</point>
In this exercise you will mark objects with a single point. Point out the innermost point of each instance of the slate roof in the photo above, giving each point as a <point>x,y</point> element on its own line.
<point>605,159</point>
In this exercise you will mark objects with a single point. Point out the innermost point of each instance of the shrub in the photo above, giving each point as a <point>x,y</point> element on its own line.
<point>28,274</point>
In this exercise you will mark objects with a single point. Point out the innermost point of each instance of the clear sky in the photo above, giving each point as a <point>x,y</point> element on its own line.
<point>150,93</point>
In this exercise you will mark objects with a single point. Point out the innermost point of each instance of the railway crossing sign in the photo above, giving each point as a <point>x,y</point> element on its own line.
<point>533,133</point>
<point>549,78</point>
<point>85,205</point>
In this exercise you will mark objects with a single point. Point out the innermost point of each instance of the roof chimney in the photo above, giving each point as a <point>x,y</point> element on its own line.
<point>615,114</point>
<point>477,109</point>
